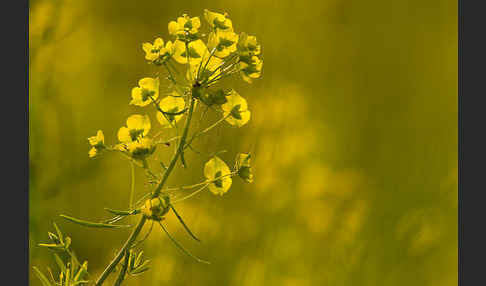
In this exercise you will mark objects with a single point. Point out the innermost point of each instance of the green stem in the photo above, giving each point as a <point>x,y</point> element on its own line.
<point>221,66</point>
<point>132,188</point>
<point>192,194</point>
<point>223,75</point>
<point>206,64</point>
<point>167,141</point>
<point>126,156</point>
<point>188,63</point>
<point>178,152</point>
<point>206,130</point>
<point>123,271</point>
<point>122,251</point>
<point>147,169</point>
<point>171,77</point>
<point>201,183</point>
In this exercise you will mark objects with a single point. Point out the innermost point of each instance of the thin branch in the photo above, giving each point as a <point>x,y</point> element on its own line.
<point>123,271</point>
<point>132,187</point>
<point>180,148</point>
<point>206,130</point>
<point>122,251</point>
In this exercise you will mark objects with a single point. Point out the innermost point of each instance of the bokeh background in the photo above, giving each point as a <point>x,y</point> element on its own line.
<point>353,131</point>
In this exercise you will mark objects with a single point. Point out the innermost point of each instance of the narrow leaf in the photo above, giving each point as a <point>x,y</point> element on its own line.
<point>143,265</point>
<point>67,242</point>
<point>82,271</point>
<point>118,212</point>
<point>51,245</point>
<point>93,224</point>
<point>138,259</point>
<point>81,282</point>
<point>183,224</point>
<point>181,247</point>
<point>59,233</point>
<point>42,277</point>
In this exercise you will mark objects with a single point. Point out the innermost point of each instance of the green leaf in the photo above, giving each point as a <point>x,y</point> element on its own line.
<point>67,242</point>
<point>93,224</point>
<point>138,259</point>
<point>141,268</point>
<point>68,276</point>
<point>131,260</point>
<point>42,277</point>
<point>59,233</point>
<point>81,282</point>
<point>53,237</point>
<point>216,171</point>
<point>51,245</point>
<point>82,271</point>
<point>139,271</point>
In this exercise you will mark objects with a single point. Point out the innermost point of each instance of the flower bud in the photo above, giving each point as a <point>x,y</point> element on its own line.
<point>156,208</point>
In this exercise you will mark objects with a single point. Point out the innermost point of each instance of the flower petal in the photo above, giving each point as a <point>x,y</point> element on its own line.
<point>216,168</point>
<point>124,134</point>
<point>170,104</point>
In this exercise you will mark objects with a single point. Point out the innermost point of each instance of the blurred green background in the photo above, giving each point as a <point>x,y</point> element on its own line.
<point>353,131</point>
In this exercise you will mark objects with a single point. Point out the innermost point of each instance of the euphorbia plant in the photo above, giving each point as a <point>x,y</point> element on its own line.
<point>195,63</point>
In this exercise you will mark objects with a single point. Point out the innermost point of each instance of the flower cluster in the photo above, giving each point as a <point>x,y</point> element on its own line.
<point>208,58</point>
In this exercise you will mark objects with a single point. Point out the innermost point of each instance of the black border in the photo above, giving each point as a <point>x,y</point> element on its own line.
<point>15,142</point>
<point>472,143</point>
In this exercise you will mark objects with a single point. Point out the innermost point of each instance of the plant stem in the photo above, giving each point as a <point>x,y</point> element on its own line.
<point>132,185</point>
<point>178,152</point>
<point>122,251</point>
<point>171,77</point>
<point>121,276</point>
<point>189,187</point>
<point>206,130</point>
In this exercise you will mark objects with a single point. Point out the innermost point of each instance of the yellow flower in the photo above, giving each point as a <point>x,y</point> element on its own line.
<point>93,152</point>
<point>141,147</point>
<point>156,52</point>
<point>148,87</point>
<point>217,20</point>
<point>235,109</point>
<point>137,127</point>
<point>98,140</point>
<point>250,68</point>
<point>171,104</point>
<point>217,170</point>
<point>196,51</point>
<point>98,143</point>
<point>224,41</point>
<point>243,167</point>
<point>248,46</point>
<point>185,28</point>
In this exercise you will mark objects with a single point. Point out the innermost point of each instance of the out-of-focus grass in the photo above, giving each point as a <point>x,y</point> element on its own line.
<point>353,131</point>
